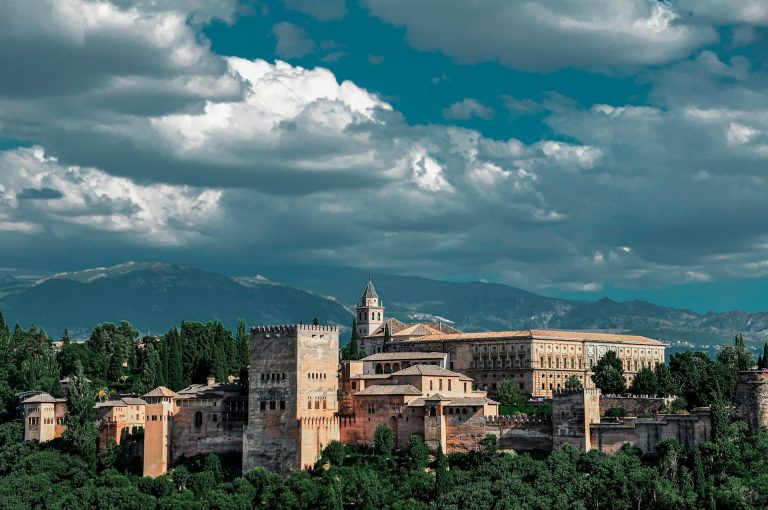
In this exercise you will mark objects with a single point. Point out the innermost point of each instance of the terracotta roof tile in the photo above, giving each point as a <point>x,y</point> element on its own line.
<point>161,391</point>
<point>390,389</point>
<point>409,355</point>
<point>430,370</point>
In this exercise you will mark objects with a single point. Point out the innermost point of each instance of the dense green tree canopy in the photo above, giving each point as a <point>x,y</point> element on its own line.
<point>608,374</point>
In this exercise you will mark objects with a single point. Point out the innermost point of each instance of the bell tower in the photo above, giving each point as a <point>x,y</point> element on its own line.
<point>370,312</point>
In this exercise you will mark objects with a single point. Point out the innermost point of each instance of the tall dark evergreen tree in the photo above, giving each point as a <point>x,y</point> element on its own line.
<point>765,356</point>
<point>352,350</point>
<point>387,333</point>
<point>242,345</point>
<point>150,369</point>
<point>175,361</point>
<point>81,433</point>
<point>3,326</point>
<point>441,473</point>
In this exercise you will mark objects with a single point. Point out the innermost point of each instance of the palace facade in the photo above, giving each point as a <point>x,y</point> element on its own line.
<point>539,360</point>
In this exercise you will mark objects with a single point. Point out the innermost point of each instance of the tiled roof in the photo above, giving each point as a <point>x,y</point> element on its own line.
<point>386,356</point>
<point>542,335</point>
<point>371,376</point>
<point>453,402</point>
<point>397,328</point>
<point>43,398</point>
<point>121,402</point>
<point>470,401</point>
<point>219,388</point>
<point>436,396</point>
<point>161,391</point>
<point>369,292</point>
<point>390,389</point>
<point>394,326</point>
<point>431,370</point>
<point>545,334</point>
<point>132,401</point>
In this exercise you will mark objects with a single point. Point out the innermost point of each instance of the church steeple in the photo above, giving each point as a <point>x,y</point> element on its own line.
<point>370,312</point>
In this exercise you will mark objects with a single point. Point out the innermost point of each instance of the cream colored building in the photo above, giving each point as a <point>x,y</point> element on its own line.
<point>540,361</point>
<point>44,417</point>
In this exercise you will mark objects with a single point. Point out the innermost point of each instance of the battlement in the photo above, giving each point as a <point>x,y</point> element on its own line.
<point>515,420</point>
<point>563,392</point>
<point>281,329</point>
<point>753,376</point>
<point>275,330</point>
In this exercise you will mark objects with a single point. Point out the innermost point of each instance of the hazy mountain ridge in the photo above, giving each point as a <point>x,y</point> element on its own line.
<point>477,306</point>
<point>156,296</point>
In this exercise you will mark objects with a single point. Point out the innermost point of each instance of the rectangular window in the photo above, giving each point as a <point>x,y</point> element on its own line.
<point>272,405</point>
<point>309,404</point>
<point>354,385</point>
<point>282,404</point>
<point>324,404</point>
<point>263,405</point>
<point>440,384</point>
<point>449,385</point>
<point>317,404</point>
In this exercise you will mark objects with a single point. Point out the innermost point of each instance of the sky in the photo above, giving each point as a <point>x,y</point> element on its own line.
<point>578,149</point>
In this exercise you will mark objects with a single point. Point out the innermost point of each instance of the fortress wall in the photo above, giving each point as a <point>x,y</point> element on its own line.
<point>512,432</point>
<point>635,406</point>
<point>689,429</point>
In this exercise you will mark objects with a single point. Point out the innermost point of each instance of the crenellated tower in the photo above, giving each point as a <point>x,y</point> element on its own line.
<point>370,312</point>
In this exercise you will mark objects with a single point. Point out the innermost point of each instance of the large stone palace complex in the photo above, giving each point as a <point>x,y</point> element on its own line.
<point>539,360</point>
<point>426,379</point>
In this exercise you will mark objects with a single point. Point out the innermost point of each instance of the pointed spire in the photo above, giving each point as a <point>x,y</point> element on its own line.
<point>370,292</point>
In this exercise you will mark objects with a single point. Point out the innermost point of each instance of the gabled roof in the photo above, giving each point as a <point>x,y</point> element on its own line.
<point>430,370</point>
<point>161,391</point>
<point>399,329</point>
<point>390,389</point>
<point>387,356</point>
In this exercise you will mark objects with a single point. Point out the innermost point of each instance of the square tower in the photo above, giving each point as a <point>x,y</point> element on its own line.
<point>292,396</point>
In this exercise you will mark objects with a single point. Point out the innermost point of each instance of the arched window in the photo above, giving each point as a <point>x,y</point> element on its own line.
<point>379,368</point>
<point>198,419</point>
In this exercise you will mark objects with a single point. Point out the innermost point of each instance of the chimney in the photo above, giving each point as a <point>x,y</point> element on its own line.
<point>210,381</point>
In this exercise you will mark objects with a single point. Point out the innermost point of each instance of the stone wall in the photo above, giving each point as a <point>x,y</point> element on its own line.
<point>212,435</point>
<point>573,413</point>
<point>752,398</point>
<point>689,429</point>
<point>635,406</point>
<point>512,432</point>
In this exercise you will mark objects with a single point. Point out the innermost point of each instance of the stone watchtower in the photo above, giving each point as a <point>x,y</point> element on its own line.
<point>752,398</point>
<point>292,397</point>
<point>573,413</point>
<point>370,312</point>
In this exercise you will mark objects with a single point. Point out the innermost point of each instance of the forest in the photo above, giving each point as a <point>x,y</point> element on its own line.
<point>730,471</point>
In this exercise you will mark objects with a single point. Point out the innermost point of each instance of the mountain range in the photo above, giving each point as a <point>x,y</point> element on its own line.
<point>155,296</point>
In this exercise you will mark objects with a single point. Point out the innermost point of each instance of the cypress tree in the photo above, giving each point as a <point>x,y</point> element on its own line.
<point>354,348</point>
<point>765,356</point>
<point>387,334</point>
<point>81,433</point>
<point>3,326</point>
<point>175,361</point>
<point>441,473</point>
<point>243,346</point>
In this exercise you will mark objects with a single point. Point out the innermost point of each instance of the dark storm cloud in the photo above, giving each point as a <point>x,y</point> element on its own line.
<point>39,194</point>
<point>178,153</point>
